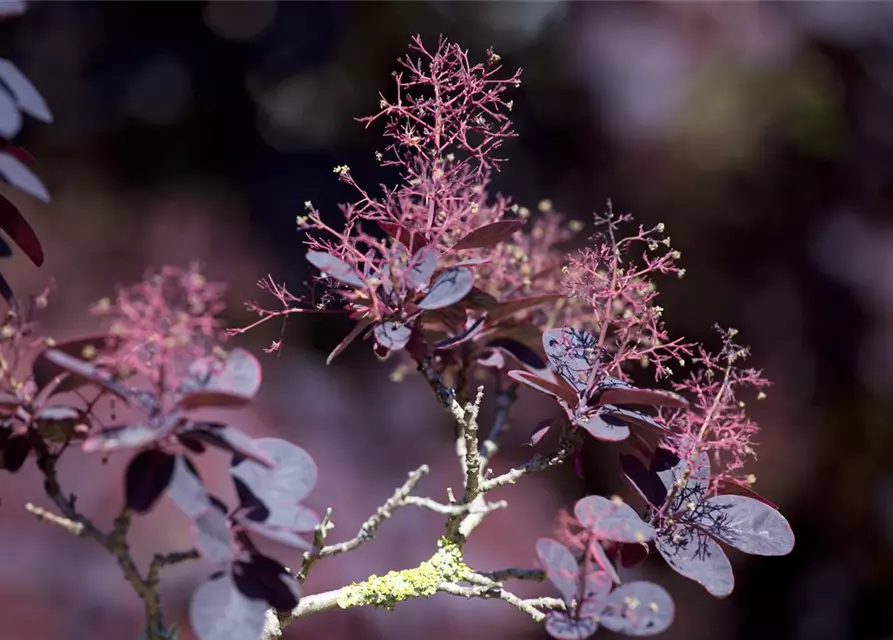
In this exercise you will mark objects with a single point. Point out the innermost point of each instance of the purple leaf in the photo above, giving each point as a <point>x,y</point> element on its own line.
<point>573,353</point>
<point>27,97</point>
<point>610,520</point>
<point>598,553</point>
<point>652,397</point>
<point>20,176</point>
<point>746,524</point>
<point>403,235</point>
<point>632,418</point>
<point>603,425</point>
<point>488,235</point>
<point>638,609</point>
<point>335,268</point>
<point>631,555</point>
<point>219,611</point>
<point>234,385</point>
<point>448,288</point>
<point>510,307</point>
<point>130,436</point>
<point>147,476</point>
<point>282,525</point>
<point>697,556</point>
<point>561,567</point>
<point>521,352</point>
<point>560,391</point>
<point>266,579</point>
<point>187,490</point>
<point>643,480</point>
<point>87,373</point>
<point>421,267</point>
<point>358,328</point>
<point>14,450</point>
<point>45,371</point>
<point>17,228</point>
<point>287,483</point>
<point>10,116</point>
<point>213,536</point>
<point>392,335</point>
<point>226,438</point>
<point>562,626</point>
<point>697,483</point>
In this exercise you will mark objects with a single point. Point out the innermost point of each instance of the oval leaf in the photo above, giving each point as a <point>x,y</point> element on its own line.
<point>213,536</point>
<point>638,609</point>
<point>392,335</point>
<point>18,175</point>
<point>448,288</point>
<point>147,476</point>
<point>287,483</point>
<point>488,235</point>
<point>602,426</point>
<point>264,578</point>
<point>562,626</point>
<point>698,557</point>
<point>335,268</point>
<point>17,228</point>
<point>187,490</point>
<point>746,524</point>
<point>612,520</point>
<point>235,385</point>
<point>652,397</point>
<point>26,95</point>
<point>561,567</point>
<point>10,116</point>
<point>421,267</point>
<point>219,611</point>
<point>573,354</point>
<point>562,392</point>
<point>358,328</point>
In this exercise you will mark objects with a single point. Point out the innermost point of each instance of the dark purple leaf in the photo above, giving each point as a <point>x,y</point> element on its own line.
<point>9,403</point>
<point>505,309</point>
<point>18,175</point>
<point>27,97</point>
<point>411,239</point>
<point>283,523</point>
<point>646,482</point>
<point>147,476</point>
<point>612,520</point>
<point>562,626</point>
<point>17,228</point>
<point>488,235</point>
<point>560,391</point>
<point>631,555</point>
<point>234,385</point>
<point>746,524</point>
<point>603,425</point>
<point>45,371</point>
<point>187,490</point>
<point>652,397</point>
<point>697,556</point>
<point>561,567</point>
<point>521,352</point>
<point>219,611</point>
<point>541,431</point>
<point>123,437</point>
<point>15,451</point>
<point>6,291</point>
<point>631,418</point>
<point>728,487</point>
<point>287,483</point>
<point>266,579</point>
<point>638,609</point>
<point>195,445</point>
<point>421,267</point>
<point>574,354</point>
<point>212,535</point>
<point>491,358</point>
<point>227,438</point>
<point>448,288</point>
<point>335,268</point>
<point>478,299</point>
<point>392,335</point>
<point>358,328</point>
<point>472,329</point>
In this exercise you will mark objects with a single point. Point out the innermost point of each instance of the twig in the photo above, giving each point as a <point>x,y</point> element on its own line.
<point>74,528</point>
<point>537,463</point>
<point>518,574</point>
<point>505,399</point>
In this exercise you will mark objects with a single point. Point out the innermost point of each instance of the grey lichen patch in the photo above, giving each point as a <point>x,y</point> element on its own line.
<point>420,582</point>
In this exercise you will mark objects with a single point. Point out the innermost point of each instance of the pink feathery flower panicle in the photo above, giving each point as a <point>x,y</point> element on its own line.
<point>717,424</point>
<point>611,290</point>
<point>164,326</point>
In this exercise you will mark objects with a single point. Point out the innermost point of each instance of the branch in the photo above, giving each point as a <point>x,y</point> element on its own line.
<point>538,463</point>
<point>505,399</point>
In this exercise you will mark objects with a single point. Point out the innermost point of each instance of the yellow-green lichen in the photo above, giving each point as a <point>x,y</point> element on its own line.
<point>420,582</point>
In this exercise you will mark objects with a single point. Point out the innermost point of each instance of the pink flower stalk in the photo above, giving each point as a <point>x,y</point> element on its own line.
<point>163,327</point>
<point>614,294</point>
<point>717,424</point>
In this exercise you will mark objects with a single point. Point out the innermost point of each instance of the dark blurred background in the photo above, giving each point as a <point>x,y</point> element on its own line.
<point>761,134</point>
